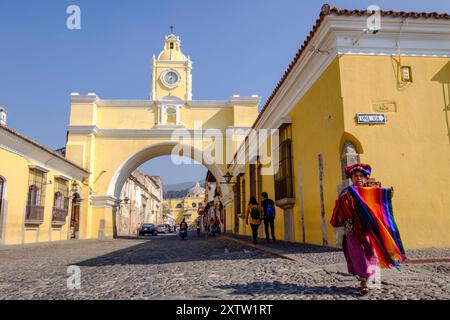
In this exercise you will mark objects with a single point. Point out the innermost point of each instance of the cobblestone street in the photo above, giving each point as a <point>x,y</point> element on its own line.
<point>165,267</point>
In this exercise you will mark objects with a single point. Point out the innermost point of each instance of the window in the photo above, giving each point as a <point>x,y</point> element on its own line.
<point>179,206</point>
<point>243,204</point>
<point>36,196</point>
<point>349,156</point>
<point>171,46</point>
<point>284,179</point>
<point>258,180</point>
<point>60,202</point>
<point>252,169</point>
<point>2,189</point>
<point>237,195</point>
<point>194,205</point>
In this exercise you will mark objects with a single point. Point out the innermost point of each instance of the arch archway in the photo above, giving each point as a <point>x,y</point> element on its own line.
<point>133,162</point>
<point>154,151</point>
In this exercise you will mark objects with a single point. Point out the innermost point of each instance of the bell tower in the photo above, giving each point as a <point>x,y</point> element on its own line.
<point>171,72</point>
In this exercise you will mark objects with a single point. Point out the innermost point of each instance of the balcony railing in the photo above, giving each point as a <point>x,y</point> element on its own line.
<point>34,214</point>
<point>59,216</point>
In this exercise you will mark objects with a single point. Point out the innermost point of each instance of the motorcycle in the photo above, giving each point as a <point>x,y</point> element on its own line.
<point>183,234</point>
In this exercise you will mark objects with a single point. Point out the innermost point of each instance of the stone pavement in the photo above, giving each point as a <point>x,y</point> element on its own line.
<point>165,267</point>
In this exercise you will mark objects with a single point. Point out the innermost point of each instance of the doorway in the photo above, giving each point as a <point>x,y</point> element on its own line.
<point>75,217</point>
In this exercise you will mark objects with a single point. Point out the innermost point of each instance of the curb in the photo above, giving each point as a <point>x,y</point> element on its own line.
<point>426,261</point>
<point>283,256</point>
<point>255,247</point>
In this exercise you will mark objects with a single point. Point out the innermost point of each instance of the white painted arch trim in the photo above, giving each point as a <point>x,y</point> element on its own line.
<point>153,151</point>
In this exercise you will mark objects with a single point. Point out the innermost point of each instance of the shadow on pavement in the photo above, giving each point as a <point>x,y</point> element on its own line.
<point>165,249</point>
<point>278,288</point>
<point>287,247</point>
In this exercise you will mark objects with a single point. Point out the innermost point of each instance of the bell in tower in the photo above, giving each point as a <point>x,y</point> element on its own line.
<point>171,74</point>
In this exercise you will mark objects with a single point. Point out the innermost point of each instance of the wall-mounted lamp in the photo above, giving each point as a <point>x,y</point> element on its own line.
<point>227,178</point>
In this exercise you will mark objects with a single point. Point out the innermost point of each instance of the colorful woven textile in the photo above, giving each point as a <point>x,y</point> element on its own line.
<point>374,209</point>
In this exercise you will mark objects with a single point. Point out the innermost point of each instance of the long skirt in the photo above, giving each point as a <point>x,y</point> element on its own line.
<point>360,256</point>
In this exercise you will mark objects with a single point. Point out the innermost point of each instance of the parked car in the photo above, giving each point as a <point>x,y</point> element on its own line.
<point>170,228</point>
<point>162,228</point>
<point>148,228</point>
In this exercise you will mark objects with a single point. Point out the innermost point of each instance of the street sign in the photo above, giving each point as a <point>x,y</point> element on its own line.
<point>371,118</point>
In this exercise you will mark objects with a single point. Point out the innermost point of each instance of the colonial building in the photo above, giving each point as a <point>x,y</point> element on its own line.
<point>351,94</point>
<point>141,202</point>
<point>111,138</point>
<point>40,191</point>
<point>188,206</point>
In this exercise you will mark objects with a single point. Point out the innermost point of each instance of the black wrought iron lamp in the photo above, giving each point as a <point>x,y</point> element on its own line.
<point>228,177</point>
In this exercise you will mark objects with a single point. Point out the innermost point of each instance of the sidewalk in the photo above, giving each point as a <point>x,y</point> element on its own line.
<point>316,256</point>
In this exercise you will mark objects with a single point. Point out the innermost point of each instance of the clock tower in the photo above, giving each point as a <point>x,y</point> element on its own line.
<point>171,74</point>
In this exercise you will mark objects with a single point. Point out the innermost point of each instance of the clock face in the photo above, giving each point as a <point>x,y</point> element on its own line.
<point>171,78</point>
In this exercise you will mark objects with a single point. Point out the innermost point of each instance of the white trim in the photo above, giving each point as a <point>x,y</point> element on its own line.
<point>103,201</point>
<point>125,103</point>
<point>62,177</point>
<point>83,99</point>
<point>163,131</point>
<point>37,167</point>
<point>38,156</point>
<point>83,130</point>
<point>281,121</point>
<point>344,35</point>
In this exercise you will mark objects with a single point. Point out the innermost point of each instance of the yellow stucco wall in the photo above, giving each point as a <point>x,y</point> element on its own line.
<point>412,151</point>
<point>15,170</point>
<point>317,127</point>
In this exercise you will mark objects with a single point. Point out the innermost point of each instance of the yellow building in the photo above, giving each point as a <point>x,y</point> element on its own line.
<point>41,192</point>
<point>355,95</point>
<point>186,207</point>
<point>111,138</point>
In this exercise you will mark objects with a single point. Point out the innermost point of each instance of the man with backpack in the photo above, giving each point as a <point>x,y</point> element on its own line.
<point>268,213</point>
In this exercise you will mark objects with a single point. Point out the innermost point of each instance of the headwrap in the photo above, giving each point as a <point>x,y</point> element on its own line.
<point>365,169</point>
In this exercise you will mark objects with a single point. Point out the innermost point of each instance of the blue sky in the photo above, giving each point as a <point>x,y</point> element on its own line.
<point>238,47</point>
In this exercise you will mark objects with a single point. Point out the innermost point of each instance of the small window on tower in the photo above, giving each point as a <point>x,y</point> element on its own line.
<point>171,45</point>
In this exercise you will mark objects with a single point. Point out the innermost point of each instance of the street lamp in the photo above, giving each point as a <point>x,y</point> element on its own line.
<point>228,176</point>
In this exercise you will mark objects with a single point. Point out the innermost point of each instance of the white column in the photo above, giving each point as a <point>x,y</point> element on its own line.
<point>178,116</point>
<point>163,115</point>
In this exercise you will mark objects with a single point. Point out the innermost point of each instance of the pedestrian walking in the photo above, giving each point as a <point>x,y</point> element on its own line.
<point>254,217</point>
<point>268,213</point>
<point>215,229</point>
<point>368,239</point>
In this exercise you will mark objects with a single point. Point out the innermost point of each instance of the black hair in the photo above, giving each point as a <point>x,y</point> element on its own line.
<point>265,195</point>
<point>253,201</point>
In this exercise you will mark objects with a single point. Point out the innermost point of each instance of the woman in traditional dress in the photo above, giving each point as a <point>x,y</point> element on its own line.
<point>358,250</point>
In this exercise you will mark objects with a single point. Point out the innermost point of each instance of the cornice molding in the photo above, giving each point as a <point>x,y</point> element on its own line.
<point>103,201</point>
<point>39,157</point>
<point>343,35</point>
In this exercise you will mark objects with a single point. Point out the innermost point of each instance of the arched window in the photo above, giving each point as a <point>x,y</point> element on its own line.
<point>171,113</point>
<point>194,205</point>
<point>179,206</point>
<point>58,201</point>
<point>349,156</point>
